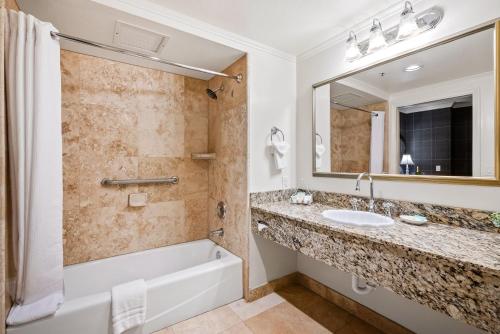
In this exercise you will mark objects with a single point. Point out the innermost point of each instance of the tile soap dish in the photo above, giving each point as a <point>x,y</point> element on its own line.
<point>414,219</point>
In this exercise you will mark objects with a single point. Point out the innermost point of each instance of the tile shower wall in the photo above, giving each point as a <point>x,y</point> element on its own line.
<point>228,173</point>
<point>350,139</point>
<point>124,121</point>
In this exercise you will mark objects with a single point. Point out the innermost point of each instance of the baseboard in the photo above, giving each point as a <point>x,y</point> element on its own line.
<point>373,318</point>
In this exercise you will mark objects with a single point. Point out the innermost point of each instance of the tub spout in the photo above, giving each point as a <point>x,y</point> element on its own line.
<point>218,232</point>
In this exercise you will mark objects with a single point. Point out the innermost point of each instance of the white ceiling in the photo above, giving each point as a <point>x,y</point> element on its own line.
<point>292,26</point>
<point>467,56</point>
<point>89,20</point>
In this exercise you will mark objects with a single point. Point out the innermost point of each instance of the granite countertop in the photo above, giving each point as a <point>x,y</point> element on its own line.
<point>460,245</point>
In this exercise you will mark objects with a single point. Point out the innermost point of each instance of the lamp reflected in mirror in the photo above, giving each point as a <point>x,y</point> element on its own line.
<point>406,160</point>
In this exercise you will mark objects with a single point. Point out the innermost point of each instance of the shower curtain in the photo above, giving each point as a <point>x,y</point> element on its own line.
<point>377,143</point>
<point>33,85</point>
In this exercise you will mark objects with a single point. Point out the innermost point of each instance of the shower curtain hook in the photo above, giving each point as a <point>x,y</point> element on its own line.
<point>53,34</point>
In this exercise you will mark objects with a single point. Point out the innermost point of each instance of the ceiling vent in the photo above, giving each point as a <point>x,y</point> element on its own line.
<point>139,39</point>
<point>349,99</point>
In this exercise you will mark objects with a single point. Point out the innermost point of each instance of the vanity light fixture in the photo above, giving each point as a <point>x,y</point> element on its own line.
<point>411,24</point>
<point>407,24</point>
<point>353,52</point>
<point>377,38</point>
<point>413,68</point>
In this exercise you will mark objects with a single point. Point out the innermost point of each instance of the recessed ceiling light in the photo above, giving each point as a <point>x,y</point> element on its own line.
<point>413,68</point>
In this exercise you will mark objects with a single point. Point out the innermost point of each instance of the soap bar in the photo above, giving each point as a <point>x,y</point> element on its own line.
<point>137,199</point>
<point>415,220</point>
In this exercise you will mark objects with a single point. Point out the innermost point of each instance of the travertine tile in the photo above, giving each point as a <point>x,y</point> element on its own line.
<point>350,140</point>
<point>158,167</point>
<point>168,330</point>
<point>161,134</point>
<point>196,215</point>
<point>327,314</point>
<point>227,175</point>
<point>214,322</point>
<point>246,310</point>
<point>70,77</point>
<point>122,121</point>
<point>239,328</point>
<point>284,318</point>
<point>93,194</point>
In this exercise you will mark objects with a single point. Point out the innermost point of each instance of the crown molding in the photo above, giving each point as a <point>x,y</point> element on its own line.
<point>165,16</point>
<point>389,13</point>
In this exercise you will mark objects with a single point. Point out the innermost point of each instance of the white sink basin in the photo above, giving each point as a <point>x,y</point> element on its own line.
<point>357,218</point>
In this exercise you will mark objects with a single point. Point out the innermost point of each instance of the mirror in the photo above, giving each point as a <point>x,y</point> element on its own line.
<point>428,113</point>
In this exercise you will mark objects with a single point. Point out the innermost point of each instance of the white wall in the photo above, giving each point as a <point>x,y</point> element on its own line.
<point>271,98</point>
<point>413,316</point>
<point>459,16</point>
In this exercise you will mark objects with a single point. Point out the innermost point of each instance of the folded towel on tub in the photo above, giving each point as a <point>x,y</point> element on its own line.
<point>128,305</point>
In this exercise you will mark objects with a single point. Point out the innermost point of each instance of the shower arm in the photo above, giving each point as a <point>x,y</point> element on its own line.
<point>238,77</point>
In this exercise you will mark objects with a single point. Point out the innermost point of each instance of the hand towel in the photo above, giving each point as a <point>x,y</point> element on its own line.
<point>280,148</point>
<point>128,305</point>
<point>320,150</point>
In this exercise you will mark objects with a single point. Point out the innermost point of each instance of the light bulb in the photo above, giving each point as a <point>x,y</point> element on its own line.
<point>352,52</point>
<point>408,24</point>
<point>377,38</point>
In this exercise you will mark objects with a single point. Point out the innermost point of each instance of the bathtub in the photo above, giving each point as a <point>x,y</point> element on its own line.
<point>183,281</point>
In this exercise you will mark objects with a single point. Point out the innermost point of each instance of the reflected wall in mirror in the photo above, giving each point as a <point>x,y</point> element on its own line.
<point>429,113</point>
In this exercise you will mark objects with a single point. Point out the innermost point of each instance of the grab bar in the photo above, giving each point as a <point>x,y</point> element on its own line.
<point>168,180</point>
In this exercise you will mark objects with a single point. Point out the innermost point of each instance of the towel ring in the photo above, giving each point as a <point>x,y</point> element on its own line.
<point>320,138</point>
<point>274,131</point>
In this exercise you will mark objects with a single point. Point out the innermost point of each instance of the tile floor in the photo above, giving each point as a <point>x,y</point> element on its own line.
<point>293,309</point>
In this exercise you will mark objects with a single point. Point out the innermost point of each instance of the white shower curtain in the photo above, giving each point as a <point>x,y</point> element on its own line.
<point>35,153</point>
<point>377,143</point>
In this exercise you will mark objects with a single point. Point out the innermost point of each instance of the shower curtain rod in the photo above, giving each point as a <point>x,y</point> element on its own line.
<point>355,108</point>
<point>55,34</point>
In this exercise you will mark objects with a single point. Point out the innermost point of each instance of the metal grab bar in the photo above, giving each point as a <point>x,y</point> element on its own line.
<point>168,180</point>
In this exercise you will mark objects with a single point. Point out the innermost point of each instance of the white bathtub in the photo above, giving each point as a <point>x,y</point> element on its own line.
<point>183,281</point>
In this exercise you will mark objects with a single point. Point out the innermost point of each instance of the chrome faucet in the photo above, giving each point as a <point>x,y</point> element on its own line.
<point>218,232</point>
<point>371,203</point>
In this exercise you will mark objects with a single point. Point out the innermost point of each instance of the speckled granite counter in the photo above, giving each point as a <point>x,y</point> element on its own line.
<point>450,269</point>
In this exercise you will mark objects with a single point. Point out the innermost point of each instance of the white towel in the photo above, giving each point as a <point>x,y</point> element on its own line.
<point>280,148</point>
<point>377,143</point>
<point>128,305</point>
<point>320,150</point>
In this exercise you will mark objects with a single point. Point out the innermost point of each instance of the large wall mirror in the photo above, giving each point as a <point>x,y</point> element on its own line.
<point>429,115</point>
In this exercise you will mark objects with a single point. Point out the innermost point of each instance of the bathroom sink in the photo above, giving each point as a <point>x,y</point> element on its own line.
<point>357,218</point>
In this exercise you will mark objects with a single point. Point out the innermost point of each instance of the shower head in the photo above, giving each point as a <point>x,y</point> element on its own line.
<point>213,93</point>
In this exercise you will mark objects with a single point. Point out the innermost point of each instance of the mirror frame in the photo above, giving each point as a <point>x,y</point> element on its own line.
<point>495,181</point>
